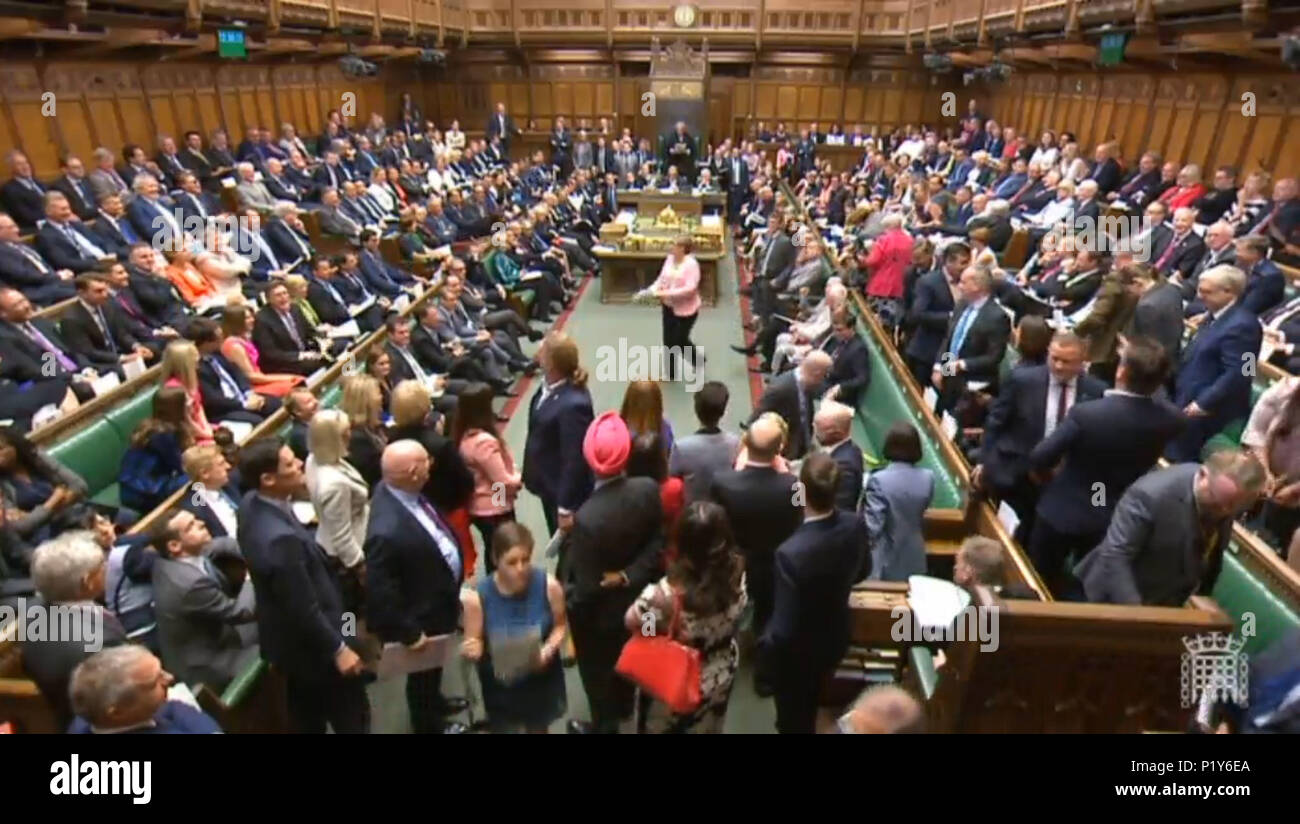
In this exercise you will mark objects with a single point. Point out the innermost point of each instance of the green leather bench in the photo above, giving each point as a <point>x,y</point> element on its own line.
<point>95,452</point>
<point>885,403</point>
<point>1238,592</point>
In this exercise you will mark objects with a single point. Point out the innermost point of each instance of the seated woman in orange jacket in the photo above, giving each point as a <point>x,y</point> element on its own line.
<point>197,290</point>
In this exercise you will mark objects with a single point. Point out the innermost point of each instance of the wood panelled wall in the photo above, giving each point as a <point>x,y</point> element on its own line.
<point>113,103</point>
<point>583,93</point>
<point>1189,118</point>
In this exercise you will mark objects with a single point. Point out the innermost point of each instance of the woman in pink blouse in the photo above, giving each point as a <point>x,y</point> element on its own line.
<point>678,289</point>
<point>496,480</point>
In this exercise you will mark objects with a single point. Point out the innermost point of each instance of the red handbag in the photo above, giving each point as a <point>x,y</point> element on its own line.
<point>662,667</point>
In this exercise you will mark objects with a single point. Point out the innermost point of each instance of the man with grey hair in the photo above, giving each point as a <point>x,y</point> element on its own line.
<point>105,179</point>
<point>1219,249</point>
<point>976,342</point>
<point>69,575</point>
<point>883,710</point>
<point>151,214</point>
<point>124,690</point>
<point>1213,383</point>
<point>252,193</point>
<point>1170,530</point>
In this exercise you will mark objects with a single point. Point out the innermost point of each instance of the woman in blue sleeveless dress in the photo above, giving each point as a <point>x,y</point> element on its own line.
<point>515,625</point>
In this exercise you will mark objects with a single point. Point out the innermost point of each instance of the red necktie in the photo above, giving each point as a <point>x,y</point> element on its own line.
<point>1169,252</point>
<point>1061,404</point>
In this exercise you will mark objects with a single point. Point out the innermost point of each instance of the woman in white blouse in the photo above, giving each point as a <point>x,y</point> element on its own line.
<point>1046,154</point>
<point>1073,168</point>
<point>455,137</point>
<point>338,493</point>
<point>378,189</point>
<point>221,265</point>
<point>438,176</point>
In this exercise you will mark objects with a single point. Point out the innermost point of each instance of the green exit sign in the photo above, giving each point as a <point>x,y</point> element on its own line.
<point>231,43</point>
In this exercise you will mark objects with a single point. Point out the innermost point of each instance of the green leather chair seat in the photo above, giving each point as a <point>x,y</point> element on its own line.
<point>921,660</point>
<point>95,452</point>
<point>1239,592</point>
<point>880,407</point>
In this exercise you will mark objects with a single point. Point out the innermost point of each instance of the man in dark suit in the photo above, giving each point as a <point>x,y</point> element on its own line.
<point>1087,208</point>
<point>774,264</point>
<point>850,372</point>
<point>1099,449</point>
<point>227,393</point>
<point>157,297</point>
<point>427,345</point>
<point>22,194</point>
<point>31,349</point>
<point>69,576</point>
<point>23,268</point>
<point>414,569</point>
<point>1219,249</point>
<point>301,404</point>
<point>976,342</point>
<point>791,395</point>
<point>197,206</point>
<point>832,426</point>
<point>169,163</point>
<point>561,147</point>
<point>614,551</point>
<point>815,568</point>
<point>326,296</point>
<point>331,174</point>
<point>211,496</point>
<point>1158,313</point>
<point>1032,403</point>
<point>76,188</point>
<point>1170,530</point>
<point>503,126</point>
<point>299,608</point>
<point>1184,250</point>
<point>113,232</point>
<point>280,185</point>
<point>1265,283</point>
<point>95,330</point>
<point>1213,385</point>
<point>931,312</point>
<point>1141,185</point>
<point>194,159</point>
<point>1105,170</point>
<point>196,606</point>
<point>762,507</point>
<point>558,417</point>
<point>380,276</point>
<point>283,336</point>
<point>66,242</point>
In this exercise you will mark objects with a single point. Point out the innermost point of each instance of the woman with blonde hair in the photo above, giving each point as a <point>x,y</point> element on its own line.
<point>221,265</point>
<point>643,411</point>
<point>779,463</point>
<point>555,469</point>
<point>238,347</point>
<point>339,494</point>
<point>180,368</point>
<point>363,403</point>
<point>297,286</point>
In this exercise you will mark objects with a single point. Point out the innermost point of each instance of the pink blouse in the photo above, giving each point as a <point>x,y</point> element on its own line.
<point>679,286</point>
<point>198,418</point>
<point>491,464</point>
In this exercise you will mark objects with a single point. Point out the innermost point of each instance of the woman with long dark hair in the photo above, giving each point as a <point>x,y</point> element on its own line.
<point>699,601</point>
<point>648,459</point>
<point>496,481</point>
<point>41,497</point>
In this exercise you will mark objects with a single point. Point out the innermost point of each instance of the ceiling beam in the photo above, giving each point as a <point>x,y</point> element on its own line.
<point>113,40</point>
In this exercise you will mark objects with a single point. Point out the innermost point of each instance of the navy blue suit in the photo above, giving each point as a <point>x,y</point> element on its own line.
<point>115,235</point>
<point>288,244</point>
<point>217,405</point>
<point>1265,287</point>
<point>850,369</point>
<point>1213,375</point>
<point>149,223</point>
<point>930,315</point>
<point>63,253</point>
<point>299,618</point>
<point>381,276</point>
<point>411,590</point>
<point>39,283</point>
<point>554,467</point>
<point>189,205</point>
<point>198,507</point>
<point>809,629</point>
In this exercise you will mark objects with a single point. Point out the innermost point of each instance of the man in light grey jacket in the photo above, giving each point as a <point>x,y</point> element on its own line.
<point>196,607</point>
<point>697,457</point>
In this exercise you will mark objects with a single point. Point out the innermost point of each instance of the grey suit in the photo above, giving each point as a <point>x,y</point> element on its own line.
<point>334,222</point>
<point>895,503</point>
<point>1159,315</point>
<point>196,624</point>
<point>697,458</point>
<point>1153,552</point>
<point>89,629</point>
<point>255,195</point>
<point>102,183</point>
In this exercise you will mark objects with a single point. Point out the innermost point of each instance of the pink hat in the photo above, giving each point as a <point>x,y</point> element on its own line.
<point>607,444</point>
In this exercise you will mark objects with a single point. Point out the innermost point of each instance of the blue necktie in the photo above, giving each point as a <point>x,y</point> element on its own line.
<point>963,326</point>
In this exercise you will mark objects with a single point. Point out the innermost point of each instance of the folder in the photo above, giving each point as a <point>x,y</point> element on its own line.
<point>398,659</point>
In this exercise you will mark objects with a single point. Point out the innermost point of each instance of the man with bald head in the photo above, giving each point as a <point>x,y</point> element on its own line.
<point>791,396</point>
<point>833,425</point>
<point>1184,250</point>
<point>762,508</point>
<point>414,569</point>
<point>1219,249</point>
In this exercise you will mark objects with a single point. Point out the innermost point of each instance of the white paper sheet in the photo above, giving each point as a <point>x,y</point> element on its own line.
<point>133,368</point>
<point>346,330</point>
<point>949,424</point>
<point>1008,517</point>
<point>304,511</point>
<point>397,659</point>
<point>105,383</point>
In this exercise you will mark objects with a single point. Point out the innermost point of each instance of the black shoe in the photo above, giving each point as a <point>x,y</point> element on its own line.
<point>744,350</point>
<point>454,705</point>
<point>576,727</point>
<point>536,334</point>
